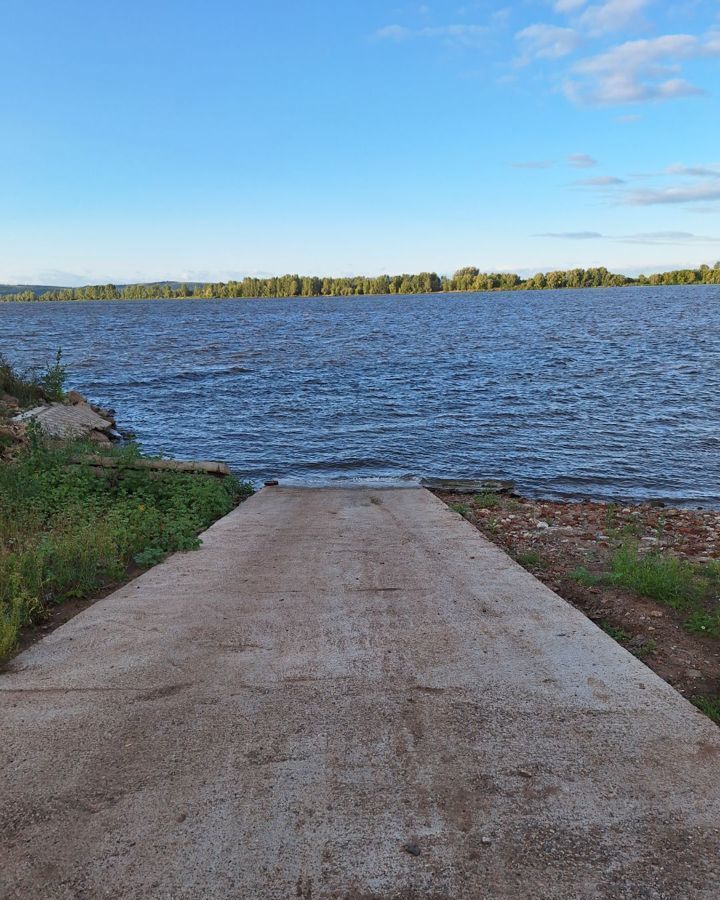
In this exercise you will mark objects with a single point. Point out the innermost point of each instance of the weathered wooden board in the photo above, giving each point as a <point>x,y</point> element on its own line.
<point>468,485</point>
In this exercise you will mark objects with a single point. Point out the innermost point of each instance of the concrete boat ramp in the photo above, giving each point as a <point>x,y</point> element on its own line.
<point>349,694</point>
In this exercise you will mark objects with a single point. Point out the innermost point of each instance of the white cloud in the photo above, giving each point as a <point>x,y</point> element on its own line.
<point>638,71</point>
<point>651,238</point>
<point>573,235</point>
<point>694,171</point>
<point>612,15</point>
<point>600,181</point>
<point>661,238</point>
<point>695,193</point>
<point>581,161</point>
<point>568,6</point>
<point>468,35</point>
<point>394,33</point>
<point>546,42</point>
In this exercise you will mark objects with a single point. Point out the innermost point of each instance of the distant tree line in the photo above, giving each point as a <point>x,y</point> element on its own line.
<point>467,279</point>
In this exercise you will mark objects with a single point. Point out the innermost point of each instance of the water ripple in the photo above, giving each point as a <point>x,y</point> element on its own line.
<point>599,393</point>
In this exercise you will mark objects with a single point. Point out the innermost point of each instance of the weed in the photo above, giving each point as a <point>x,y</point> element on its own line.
<point>610,515</point>
<point>709,705</point>
<point>24,387</point>
<point>461,509</point>
<point>583,576</point>
<point>530,559</point>
<point>492,526</point>
<point>66,532</point>
<point>667,579</point>
<point>487,500</point>
<point>643,648</point>
<point>617,634</point>
<point>704,622</point>
<point>151,556</point>
<point>53,379</point>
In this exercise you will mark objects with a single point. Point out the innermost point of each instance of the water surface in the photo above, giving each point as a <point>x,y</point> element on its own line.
<point>607,393</point>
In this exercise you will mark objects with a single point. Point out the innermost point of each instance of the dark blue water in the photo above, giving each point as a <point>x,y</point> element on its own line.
<point>610,393</point>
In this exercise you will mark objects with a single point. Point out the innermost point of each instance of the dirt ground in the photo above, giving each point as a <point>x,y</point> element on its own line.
<point>553,539</point>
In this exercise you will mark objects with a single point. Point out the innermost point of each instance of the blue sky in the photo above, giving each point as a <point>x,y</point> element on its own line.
<point>208,140</point>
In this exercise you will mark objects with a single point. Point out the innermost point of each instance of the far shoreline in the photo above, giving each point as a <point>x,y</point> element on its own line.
<point>465,281</point>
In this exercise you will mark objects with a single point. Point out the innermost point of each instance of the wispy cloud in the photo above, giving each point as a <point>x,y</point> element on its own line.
<point>667,238</point>
<point>694,171</point>
<point>600,181</point>
<point>545,42</point>
<point>693,193</point>
<point>573,235</point>
<point>612,15</point>
<point>568,6</point>
<point>467,35</point>
<point>651,238</point>
<point>638,71</point>
<point>581,161</point>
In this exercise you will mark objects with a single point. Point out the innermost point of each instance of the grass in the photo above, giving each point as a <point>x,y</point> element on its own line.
<point>683,585</point>
<point>461,509</point>
<point>487,500</point>
<point>530,559</point>
<point>32,387</point>
<point>583,576</point>
<point>67,532</point>
<point>617,634</point>
<point>709,705</point>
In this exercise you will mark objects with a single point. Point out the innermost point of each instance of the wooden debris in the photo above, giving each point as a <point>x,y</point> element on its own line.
<point>467,485</point>
<point>201,467</point>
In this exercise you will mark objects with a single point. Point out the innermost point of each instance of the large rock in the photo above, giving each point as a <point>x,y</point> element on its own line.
<point>60,421</point>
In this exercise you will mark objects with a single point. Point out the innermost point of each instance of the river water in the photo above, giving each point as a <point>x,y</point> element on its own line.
<point>609,394</point>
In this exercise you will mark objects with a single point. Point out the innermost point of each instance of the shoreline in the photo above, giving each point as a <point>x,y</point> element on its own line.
<point>519,289</point>
<point>649,576</point>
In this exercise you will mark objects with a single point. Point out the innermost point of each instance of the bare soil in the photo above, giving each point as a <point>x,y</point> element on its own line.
<point>552,539</point>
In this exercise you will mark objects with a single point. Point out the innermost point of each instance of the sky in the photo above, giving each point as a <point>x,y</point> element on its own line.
<point>213,139</point>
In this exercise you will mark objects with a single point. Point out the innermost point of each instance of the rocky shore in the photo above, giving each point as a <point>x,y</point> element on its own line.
<point>648,575</point>
<point>75,418</point>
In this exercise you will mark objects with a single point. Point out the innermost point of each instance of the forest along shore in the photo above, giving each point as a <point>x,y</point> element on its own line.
<point>466,280</point>
<point>649,576</point>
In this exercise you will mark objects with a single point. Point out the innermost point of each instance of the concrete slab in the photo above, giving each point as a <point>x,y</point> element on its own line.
<point>349,694</point>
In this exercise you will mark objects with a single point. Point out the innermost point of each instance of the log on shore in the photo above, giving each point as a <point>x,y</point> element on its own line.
<point>467,485</point>
<point>200,467</point>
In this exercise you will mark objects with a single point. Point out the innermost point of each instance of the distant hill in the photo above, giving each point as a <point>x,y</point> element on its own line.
<point>41,288</point>
<point>37,288</point>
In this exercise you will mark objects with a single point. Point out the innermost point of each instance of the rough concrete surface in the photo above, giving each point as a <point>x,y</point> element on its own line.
<point>348,694</point>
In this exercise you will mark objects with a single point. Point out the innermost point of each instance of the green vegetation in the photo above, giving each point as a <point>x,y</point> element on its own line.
<point>583,576</point>
<point>31,387</point>
<point>53,381</point>
<point>466,279</point>
<point>67,532</point>
<point>638,646</point>
<point>668,579</point>
<point>683,585</point>
<point>461,508</point>
<point>709,705</point>
<point>617,634</point>
<point>530,560</point>
<point>487,500</point>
